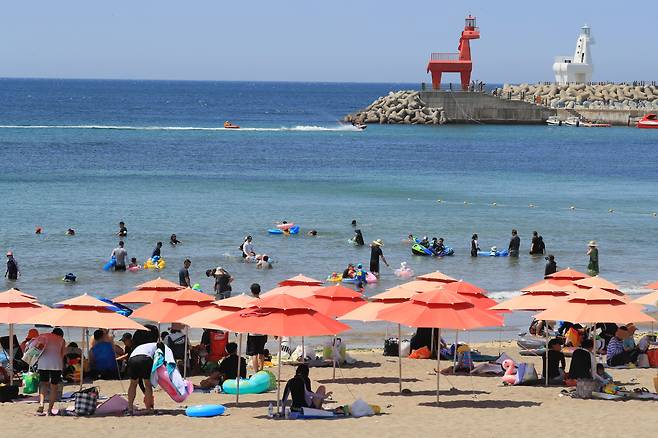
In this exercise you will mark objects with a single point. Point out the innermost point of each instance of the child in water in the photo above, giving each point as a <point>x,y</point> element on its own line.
<point>133,266</point>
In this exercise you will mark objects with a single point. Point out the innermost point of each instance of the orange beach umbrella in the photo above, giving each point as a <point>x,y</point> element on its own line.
<point>335,301</point>
<point>440,309</point>
<point>154,290</point>
<point>204,318</point>
<point>653,285</point>
<point>567,274</point>
<point>300,280</point>
<point>175,306</point>
<point>437,276</point>
<point>648,299</point>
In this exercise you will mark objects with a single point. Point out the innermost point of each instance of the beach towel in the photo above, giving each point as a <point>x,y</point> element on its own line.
<point>167,359</point>
<point>115,405</point>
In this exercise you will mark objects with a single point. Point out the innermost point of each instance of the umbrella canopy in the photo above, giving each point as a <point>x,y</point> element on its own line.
<point>336,301</point>
<point>648,300</point>
<point>593,306</point>
<point>175,306</point>
<point>550,286</point>
<point>471,293</point>
<point>154,290</point>
<point>406,290</point>
<point>16,313</point>
<point>300,280</point>
<point>653,285</point>
<point>16,296</point>
<point>204,318</point>
<point>600,282</point>
<point>299,291</point>
<point>282,315</point>
<point>437,276</point>
<point>368,312</point>
<point>440,309</point>
<point>539,296</point>
<point>567,274</point>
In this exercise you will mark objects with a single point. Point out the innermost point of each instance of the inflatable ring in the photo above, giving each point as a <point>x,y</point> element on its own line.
<point>260,382</point>
<point>285,227</point>
<point>205,411</point>
<point>165,383</point>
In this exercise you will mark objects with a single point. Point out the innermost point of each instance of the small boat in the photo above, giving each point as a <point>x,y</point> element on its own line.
<point>360,126</point>
<point>229,125</point>
<point>553,121</point>
<point>572,121</point>
<point>649,121</point>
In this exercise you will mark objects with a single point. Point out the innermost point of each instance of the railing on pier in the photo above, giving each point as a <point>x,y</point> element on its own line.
<point>440,56</point>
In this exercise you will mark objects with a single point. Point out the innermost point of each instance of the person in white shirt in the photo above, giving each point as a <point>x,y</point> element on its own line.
<point>248,248</point>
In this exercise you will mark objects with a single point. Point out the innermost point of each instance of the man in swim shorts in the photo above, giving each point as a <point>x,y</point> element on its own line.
<point>120,254</point>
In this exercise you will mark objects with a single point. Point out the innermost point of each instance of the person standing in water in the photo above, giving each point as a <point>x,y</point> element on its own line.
<point>184,274</point>
<point>593,253</point>
<point>475,246</point>
<point>514,244</point>
<point>357,239</point>
<point>157,250</point>
<point>123,231</point>
<point>248,248</point>
<point>376,253</point>
<point>551,266</point>
<point>537,245</point>
<point>12,272</point>
<point>121,255</point>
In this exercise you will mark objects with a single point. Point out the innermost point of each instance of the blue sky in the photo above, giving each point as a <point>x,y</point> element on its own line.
<point>358,40</point>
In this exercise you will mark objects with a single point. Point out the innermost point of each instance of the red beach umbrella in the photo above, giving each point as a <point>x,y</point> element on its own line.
<point>335,301</point>
<point>300,280</point>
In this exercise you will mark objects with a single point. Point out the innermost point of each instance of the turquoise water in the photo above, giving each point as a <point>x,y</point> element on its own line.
<point>77,154</point>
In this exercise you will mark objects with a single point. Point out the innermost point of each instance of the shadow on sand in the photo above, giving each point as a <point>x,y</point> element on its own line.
<point>481,404</point>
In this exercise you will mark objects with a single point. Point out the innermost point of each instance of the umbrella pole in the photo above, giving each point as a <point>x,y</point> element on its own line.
<point>278,382</point>
<point>237,381</point>
<point>400,356</point>
<point>11,354</point>
<point>454,360</point>
<point>596,360</point>
<point>303,351</point>
<point>82,357</point>
<point>438,370</point>
<point>333,357</point>
<point>187,340</point>
<point>546,351</point>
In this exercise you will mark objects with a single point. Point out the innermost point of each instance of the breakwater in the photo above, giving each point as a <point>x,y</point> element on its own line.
<point>584,96</point>
<point>399,107</point>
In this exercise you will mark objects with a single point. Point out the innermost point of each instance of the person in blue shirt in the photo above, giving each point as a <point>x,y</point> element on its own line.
<point>102,358</point>
<point>360,276</point>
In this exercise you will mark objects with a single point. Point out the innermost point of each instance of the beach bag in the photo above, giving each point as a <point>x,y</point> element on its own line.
<point>421,353</point>
<point>653,357</point>
<point>525,373</point>
<point>85,401</point>
<point>391,347</point>
<point>405,348</point>
<point>34,351</point>
<point>30,383</point>
<point>585,387</point>
<point>573,337</point>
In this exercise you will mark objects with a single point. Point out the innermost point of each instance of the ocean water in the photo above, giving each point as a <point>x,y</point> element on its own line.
<point>87,154</point>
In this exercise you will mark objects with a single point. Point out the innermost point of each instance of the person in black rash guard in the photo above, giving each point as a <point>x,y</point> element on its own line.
<point>299,388</point>
<point>556,362</point>
<point>358,238</point>
<point>514,244</point>
<point>551,266</point>
<point>475,246</point>
<point>376,253</point>
<point>157,250</point>
<point>581,361</point>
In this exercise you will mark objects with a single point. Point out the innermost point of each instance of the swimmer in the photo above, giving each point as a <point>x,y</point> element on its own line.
<point>410,239</point>
<point>174,240</point>
<point>123,231</point>
<point>354,222</point>
<point>312,233</point>
<point>70,232</point>
<point>38,230</point>
<point>264,262</point>
<point>133,264</point>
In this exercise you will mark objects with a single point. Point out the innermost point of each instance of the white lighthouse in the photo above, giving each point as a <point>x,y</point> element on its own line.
<point>577,69</point>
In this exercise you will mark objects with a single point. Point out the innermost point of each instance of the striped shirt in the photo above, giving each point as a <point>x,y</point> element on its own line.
<point>615,347</point>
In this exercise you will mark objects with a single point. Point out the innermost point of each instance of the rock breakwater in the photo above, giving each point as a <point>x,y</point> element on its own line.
<point>400,107</point>
<point>578,96</point>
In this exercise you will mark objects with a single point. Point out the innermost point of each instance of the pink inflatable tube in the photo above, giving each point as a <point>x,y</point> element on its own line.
<point>168,387</point>
<point>285,226</point>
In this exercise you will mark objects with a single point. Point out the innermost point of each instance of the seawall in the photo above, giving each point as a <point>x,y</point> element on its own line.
<point>479,107</point>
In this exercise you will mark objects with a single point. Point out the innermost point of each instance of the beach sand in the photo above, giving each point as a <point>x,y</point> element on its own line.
<point>469,406</point>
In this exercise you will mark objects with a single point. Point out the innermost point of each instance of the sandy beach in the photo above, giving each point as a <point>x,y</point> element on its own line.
<point>469,406</point>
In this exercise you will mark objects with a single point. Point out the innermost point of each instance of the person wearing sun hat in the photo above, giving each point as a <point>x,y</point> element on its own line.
<point>376,253</point>
<point>593,253</point>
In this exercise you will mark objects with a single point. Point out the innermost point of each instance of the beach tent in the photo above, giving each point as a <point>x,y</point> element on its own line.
<point>281,315</point>
<point>83,312</point>
<point>442,310</point>
<point>15,306</point>
<point>154,290</point>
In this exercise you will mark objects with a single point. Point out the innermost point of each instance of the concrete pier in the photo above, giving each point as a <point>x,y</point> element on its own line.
<point>478,107</point>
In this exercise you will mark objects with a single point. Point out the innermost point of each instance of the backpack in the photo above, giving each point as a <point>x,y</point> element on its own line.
<point>391,347</point>
<point>176,342</point>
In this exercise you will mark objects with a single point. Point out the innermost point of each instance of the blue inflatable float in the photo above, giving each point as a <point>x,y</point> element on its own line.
<point>110,264</point>
<point>205,411</point>
<point>292,230</point>
<point>503,253</point>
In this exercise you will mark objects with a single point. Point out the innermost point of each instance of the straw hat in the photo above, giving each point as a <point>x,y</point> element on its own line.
<point>378,242</point>
<point>592,243</point>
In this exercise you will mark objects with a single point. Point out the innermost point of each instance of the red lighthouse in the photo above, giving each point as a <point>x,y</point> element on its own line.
<point>455,62</point>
